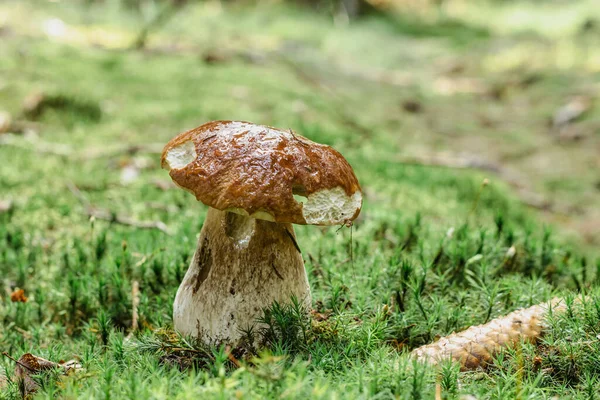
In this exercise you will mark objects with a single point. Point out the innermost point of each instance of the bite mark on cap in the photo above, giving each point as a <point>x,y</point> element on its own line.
<point>180,156</point>
<point>331,206</point>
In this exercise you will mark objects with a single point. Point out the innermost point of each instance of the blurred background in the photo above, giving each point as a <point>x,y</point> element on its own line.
<point>90,90</point>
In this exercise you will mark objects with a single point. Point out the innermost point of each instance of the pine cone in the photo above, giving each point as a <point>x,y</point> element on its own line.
<point>474,347</point>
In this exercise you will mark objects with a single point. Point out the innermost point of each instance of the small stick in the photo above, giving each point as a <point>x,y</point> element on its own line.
<point>438,391</point>
<point>232,358</point>
<point>110,216</point>
<point>121,220</point>
<point>135,302</point>
<point>77,193</point>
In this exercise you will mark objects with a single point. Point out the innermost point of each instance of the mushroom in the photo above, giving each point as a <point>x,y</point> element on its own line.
<point>257,181</point>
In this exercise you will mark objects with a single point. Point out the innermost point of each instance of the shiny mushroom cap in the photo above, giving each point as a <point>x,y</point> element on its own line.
<point>265,173</point>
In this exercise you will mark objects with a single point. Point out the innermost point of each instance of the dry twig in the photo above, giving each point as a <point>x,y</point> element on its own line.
<point>135,302</point>
<point>110,216</point>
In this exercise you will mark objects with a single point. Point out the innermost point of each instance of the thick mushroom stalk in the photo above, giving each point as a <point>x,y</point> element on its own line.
<point>241,266</point>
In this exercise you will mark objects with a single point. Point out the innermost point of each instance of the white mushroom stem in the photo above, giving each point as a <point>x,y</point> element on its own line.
<point>241,266</point>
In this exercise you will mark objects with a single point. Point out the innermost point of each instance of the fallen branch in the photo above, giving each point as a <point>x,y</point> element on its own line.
<point>112,217</point>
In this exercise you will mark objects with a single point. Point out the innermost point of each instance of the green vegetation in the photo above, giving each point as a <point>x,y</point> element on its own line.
<point>427,256</point>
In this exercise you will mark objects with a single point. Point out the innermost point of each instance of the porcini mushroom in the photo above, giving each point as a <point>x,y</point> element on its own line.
<point>257,181</point>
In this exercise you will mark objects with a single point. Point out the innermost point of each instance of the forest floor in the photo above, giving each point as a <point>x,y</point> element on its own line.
<point>425,108</point>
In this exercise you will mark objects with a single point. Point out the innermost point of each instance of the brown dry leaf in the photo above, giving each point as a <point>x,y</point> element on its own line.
<point>320,317</point>
<point>29,365</point>
<point>18,296</point>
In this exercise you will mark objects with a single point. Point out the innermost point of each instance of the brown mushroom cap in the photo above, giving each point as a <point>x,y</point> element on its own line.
<point>264,172</point>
